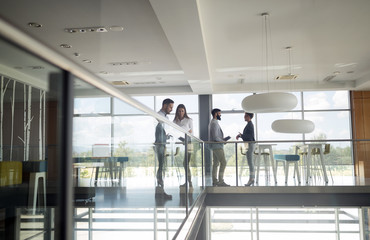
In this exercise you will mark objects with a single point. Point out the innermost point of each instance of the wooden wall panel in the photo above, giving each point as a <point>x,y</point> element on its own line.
<point>360,101</point>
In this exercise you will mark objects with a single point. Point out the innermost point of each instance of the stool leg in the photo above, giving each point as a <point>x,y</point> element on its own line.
<point>44,190</point>
<point>258,167</point>
<point>297,170</point>
<point>286,172</point>
<point>267,168</point>
<point>32,194</point>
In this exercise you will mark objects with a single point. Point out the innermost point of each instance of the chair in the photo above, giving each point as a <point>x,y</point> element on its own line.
<point>243,152</point>
<point>317,166</point>
<point>259,151</point>
<point>288,159</point>
<point>316,152</point>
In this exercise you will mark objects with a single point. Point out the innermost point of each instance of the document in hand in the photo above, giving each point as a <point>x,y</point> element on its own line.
<point>227,138</point>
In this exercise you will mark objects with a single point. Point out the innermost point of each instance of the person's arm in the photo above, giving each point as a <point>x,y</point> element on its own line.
<point>248,132</point>
<point>190,125</point>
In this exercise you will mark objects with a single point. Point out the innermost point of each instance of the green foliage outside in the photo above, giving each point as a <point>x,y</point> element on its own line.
<point>142,161</point>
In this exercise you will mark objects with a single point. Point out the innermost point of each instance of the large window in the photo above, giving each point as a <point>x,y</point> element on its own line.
<point>105,120</point>
<point>330,112</point>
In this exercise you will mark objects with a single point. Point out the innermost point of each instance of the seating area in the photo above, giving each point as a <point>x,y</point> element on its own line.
<point>308,168</point>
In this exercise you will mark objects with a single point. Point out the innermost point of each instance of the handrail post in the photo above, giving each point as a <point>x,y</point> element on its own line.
<point>236,163</point>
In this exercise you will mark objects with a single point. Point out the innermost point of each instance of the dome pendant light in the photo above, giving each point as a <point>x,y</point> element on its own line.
<point>270,101</point>
<point>292,125</point>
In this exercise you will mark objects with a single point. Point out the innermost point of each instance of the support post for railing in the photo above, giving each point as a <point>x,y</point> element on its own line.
<point>236,163</point>
<point>186,175</point>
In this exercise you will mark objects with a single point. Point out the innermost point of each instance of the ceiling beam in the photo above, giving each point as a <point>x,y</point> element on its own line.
<point>181,23</point>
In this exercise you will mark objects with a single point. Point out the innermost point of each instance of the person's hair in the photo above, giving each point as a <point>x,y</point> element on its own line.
<point>167,101</point>
<point>251,115</point>
<point>177,115</point>
<point>214,111</point>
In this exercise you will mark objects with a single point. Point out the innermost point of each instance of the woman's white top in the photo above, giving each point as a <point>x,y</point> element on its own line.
<point>186,123</point>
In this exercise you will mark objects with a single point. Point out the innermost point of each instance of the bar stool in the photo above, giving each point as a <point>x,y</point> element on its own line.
<point>243,152</point>
<point>311,152</point>
<point>268,160</point>
<point>287,159</point>
<point>317,166</point>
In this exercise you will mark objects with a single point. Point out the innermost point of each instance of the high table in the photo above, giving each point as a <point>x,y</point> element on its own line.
<point>97,163</point>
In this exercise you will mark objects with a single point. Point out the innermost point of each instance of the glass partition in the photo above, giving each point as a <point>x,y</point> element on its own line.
<point>130,167</point>
<point>121,174</point>
<point>29,144</point>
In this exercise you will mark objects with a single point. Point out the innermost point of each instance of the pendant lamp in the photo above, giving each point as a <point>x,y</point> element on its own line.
<point>293,126</point>
<point>270,101</point>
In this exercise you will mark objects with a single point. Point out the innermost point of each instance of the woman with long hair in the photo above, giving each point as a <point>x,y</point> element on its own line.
<point>183,120</point>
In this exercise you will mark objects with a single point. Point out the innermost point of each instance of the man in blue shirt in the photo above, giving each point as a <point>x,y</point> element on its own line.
<point>248,136</point>
<point>160,147</point>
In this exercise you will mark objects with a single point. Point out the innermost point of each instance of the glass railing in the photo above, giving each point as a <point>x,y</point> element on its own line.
<point>292,163</point>
<point>292,223</point>
<point>131,168</point>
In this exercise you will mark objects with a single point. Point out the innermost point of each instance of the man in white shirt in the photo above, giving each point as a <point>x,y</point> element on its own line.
<point>216,135</point>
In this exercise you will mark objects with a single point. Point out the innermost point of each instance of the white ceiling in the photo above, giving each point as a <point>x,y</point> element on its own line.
<point>208,46</point>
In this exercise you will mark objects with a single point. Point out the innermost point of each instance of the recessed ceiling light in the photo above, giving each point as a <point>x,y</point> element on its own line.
<point>87,61</point>
<point>86,29</point>
<point>36,67</point>
<point>76,54</point>
<point>116,28</point>
<point>64,45</point>
<point>34,24</point>
<point>124,63</point>
<point>120,83</point>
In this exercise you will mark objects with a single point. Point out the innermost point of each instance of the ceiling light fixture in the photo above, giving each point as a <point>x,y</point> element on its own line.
<point>120,83</point>
<point>34,25</point>
<point>116,28</point>
<point>269,102</point>
<point>87,61</point>
<point>289,76</point>
<point>293,126</point>
<point>86,29</point>
<point>64,45</point>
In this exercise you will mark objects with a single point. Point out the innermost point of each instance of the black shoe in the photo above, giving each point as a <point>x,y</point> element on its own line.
<point>184,185</point>
<point>167,196</point>
<point>222,184</point>
<point>215,184</point>
<point>249,183</point>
